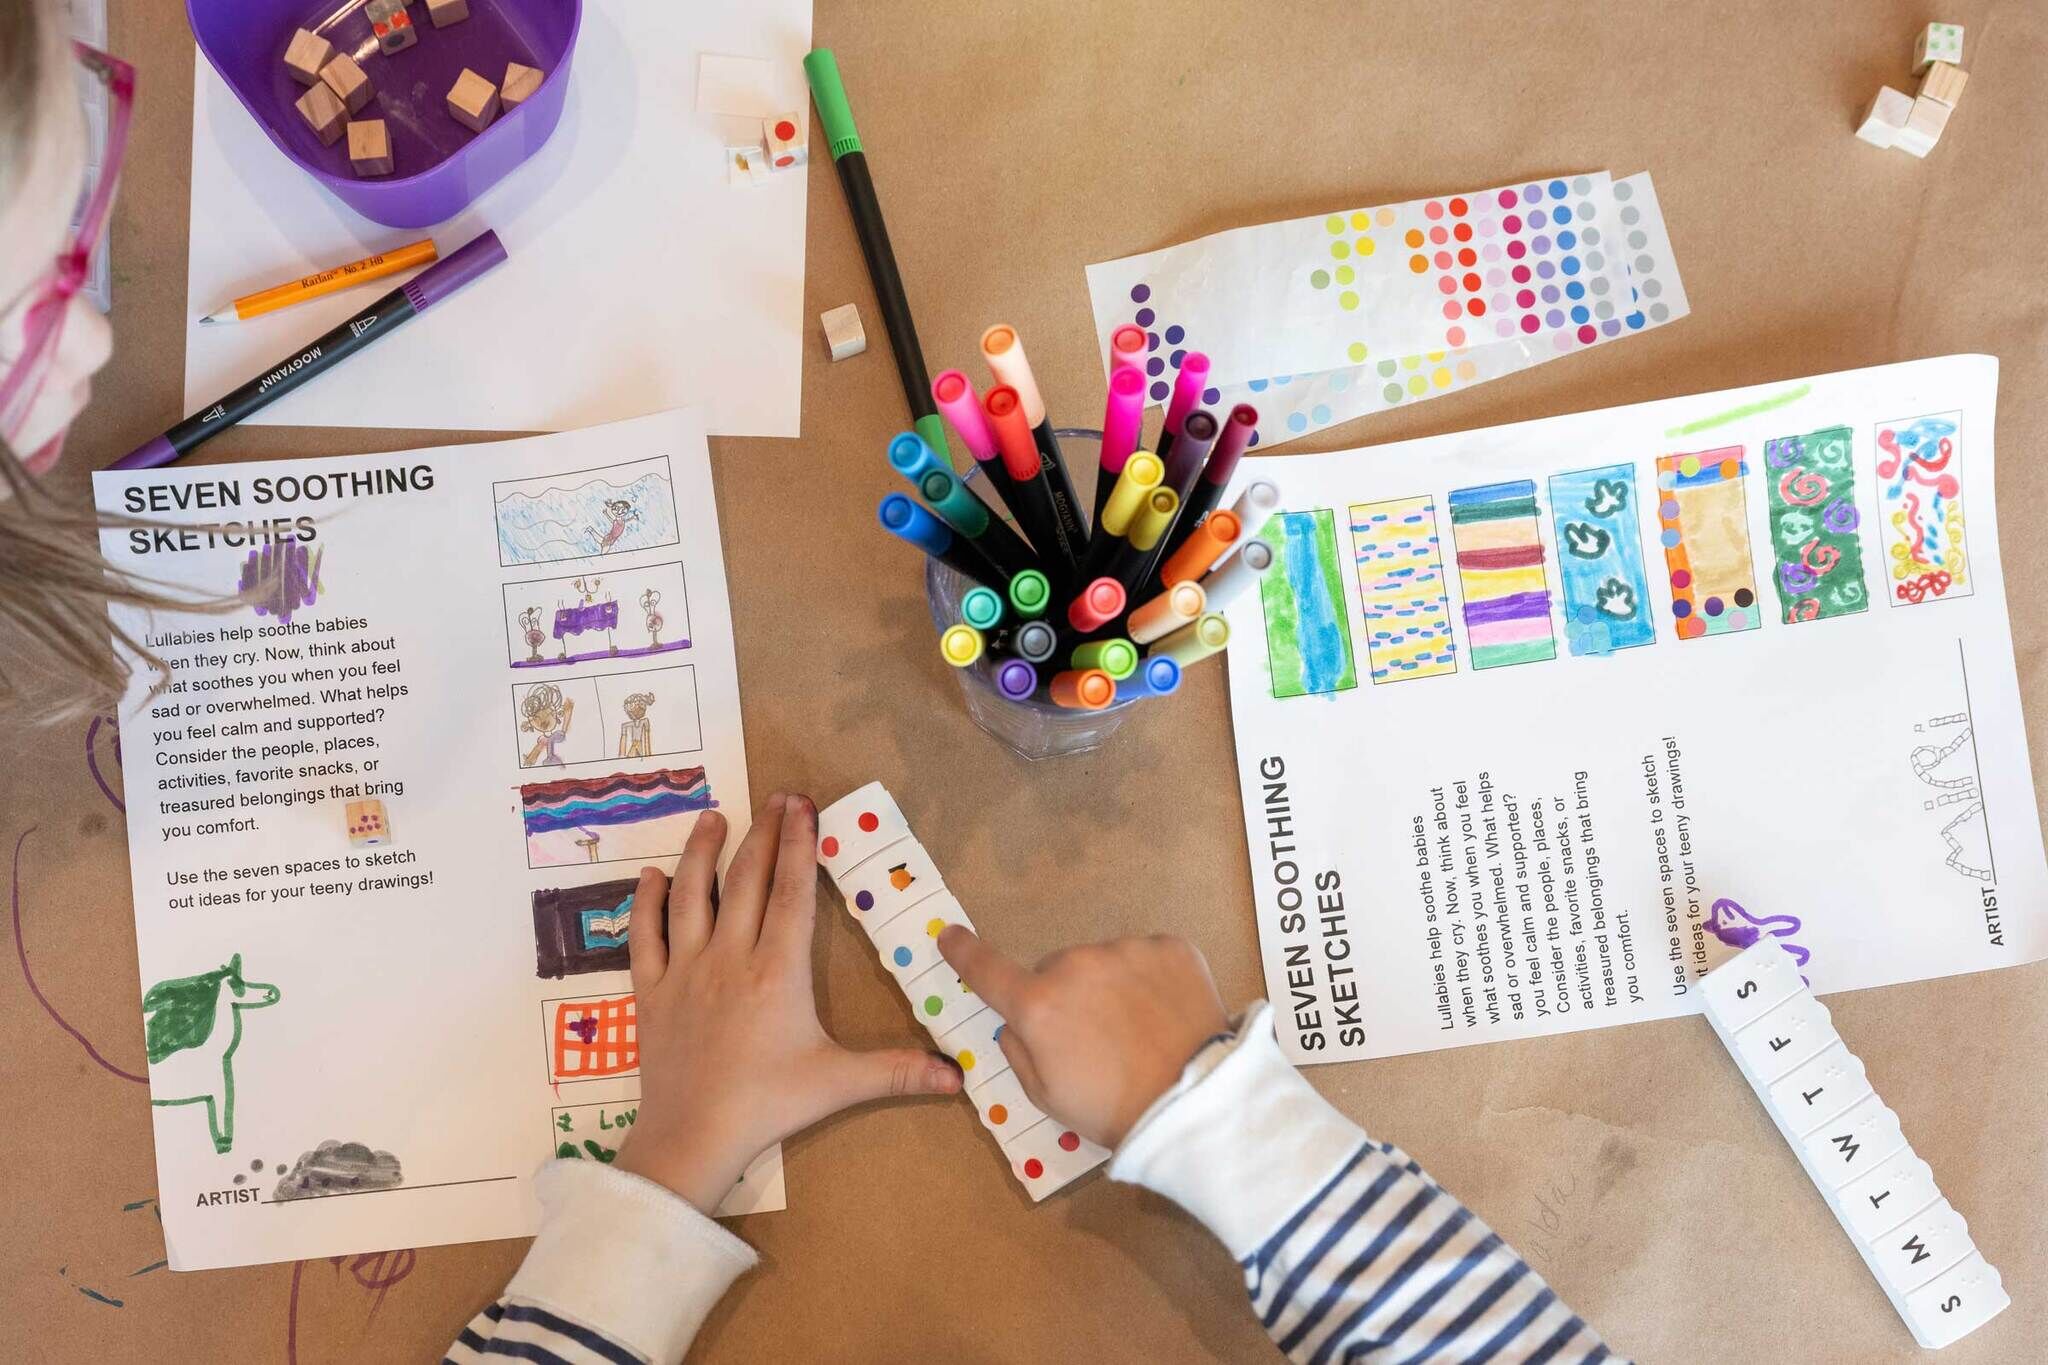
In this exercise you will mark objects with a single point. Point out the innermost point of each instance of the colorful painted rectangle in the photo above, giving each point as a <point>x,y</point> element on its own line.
<point>1500,571</point>
<point>585,513</point>
<point>608,819</point>
<point>1920,498</point>
<point>1811,483</point>
<point>619,614</point>
<point>1401,590</point>
<point>1600,560</point>
<point>1308,642</point>
<point>578,929</point>
<point>592,1038</point>
<point>1703,519</point>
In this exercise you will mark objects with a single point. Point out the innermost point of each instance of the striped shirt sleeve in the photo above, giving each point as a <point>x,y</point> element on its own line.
<point>622,1272</point>
<point>1350,1251</point>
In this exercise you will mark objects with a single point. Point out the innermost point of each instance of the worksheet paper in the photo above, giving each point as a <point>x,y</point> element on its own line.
<point>384,855</point>
<point>1536,724</point>
<point>1534,289</point>
<point>637,279</point>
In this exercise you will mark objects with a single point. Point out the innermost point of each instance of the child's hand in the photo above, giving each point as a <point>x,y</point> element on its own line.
<point>1096,1033</point>
<point>732,1058</point>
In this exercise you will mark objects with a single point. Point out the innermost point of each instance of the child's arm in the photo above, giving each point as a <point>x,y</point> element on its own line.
<point>628,1261</point>
<point>1350,1252</point>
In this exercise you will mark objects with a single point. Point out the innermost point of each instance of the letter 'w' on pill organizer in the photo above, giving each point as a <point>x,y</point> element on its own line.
<point>1851,1146</point>
<point>896,895</point>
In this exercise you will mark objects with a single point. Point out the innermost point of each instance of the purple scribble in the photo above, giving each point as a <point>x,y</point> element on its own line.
<point>1754,928</point>
<point>21,953</point>
<point>585,1028</point>
<point>92,758</point>
<point>279,579</point>
<point>596,616</point>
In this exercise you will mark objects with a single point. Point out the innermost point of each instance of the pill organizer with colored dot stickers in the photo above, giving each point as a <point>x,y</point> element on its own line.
<point>1851,1145</point>
<point>893,891</point>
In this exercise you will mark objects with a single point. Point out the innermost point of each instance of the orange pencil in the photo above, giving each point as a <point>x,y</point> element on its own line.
<point>313,286</point>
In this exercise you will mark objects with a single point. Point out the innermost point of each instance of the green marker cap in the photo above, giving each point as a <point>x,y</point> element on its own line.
<point>1118,658</point>
<point>1030,592</point>
<point>981,608</point>
<point>821,69</point>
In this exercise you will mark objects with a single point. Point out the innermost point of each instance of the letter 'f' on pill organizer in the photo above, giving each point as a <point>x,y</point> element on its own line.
<point>1850,1144</point>
<point>893,891</point>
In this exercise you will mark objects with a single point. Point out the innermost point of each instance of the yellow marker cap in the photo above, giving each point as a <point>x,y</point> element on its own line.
<point>1153,519</point>
<point>1142,473</point>
<point>961,645</point>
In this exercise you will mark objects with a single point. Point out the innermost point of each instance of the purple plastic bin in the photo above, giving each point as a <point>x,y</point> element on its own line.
<point>440,166</point>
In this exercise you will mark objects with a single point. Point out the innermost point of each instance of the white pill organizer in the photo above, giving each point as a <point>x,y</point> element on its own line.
<point>1851,1145</point>
<point>895,893</point>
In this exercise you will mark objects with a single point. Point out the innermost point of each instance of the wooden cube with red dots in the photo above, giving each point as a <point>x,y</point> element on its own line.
<point>368,826</point>
<point>783,136</point>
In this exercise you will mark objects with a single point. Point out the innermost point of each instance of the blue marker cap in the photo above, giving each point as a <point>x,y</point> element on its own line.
<point>911,457</point>
<point>902,517</point>
<point>1158,676</point>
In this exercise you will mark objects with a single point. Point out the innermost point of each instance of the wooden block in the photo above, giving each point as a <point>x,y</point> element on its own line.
<point>843,331</point>
<point>347,80</point>
<point>1888,114</point>
<point>305,56</point>
<point>1944,83</point>
<point>1938,43</point>
<point>367,824</point>
<point>520,81</point>
<point>783,135</point>
<point>369,146</point>
<point>392,24</point>
<point>446,12</point>
<point>1924,127</point>
<point>324,113</point>
<point>473,101</point>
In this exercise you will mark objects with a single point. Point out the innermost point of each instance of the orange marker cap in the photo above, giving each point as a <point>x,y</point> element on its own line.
<point>1083,689</point>
<point>1013,433</point>
<point>1208,543</point>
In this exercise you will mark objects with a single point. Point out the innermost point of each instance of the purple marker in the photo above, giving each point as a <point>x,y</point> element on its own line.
<point>1016,679</point>
<point>401,305</point>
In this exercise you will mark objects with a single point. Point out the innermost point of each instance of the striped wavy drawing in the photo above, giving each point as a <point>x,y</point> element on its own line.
<point>1500,569</point>
<point>606,819</point>
<point>1401,590</point>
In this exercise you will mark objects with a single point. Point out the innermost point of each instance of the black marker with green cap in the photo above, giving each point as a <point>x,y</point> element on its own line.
<point>821,69</point>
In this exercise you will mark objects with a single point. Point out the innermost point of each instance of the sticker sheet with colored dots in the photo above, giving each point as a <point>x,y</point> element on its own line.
<point>1548,309</point>
<point>897,896</point>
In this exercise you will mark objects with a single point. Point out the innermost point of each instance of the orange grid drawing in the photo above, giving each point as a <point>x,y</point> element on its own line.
<point>596,1038</point>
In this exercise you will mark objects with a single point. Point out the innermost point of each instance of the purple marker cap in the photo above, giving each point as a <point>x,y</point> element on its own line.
<point>454,270</point>
<point>1016,679</point>
<point>1187,389</point>
<point>157,450</point>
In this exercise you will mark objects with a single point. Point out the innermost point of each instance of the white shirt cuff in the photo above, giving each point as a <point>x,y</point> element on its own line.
<point>1241,1141</point>
<point>626,1257</point>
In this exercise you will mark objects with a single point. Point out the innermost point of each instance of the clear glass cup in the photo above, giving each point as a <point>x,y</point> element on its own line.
<point>1032,728</point>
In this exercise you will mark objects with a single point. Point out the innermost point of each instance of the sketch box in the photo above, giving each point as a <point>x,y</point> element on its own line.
<point>440,165</point>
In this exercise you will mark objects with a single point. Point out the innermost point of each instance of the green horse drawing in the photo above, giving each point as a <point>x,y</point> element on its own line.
<point>194,1025</point>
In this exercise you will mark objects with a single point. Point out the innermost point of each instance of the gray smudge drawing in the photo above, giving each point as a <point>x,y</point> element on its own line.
<point>339,1168</point>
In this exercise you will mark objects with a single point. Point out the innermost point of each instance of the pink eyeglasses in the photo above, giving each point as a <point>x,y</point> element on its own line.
<point>42,310</point>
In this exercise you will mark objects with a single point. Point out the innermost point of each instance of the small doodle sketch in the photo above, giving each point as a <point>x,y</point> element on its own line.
<point>592,1132</point>
<point>586,513</point>
<point>339,1168</point>
<point>618,614</point>
<point>1703,524</point>
<point>1600,560</point>
<point>1737,928</point>
<point>1920,499</point>
<point>1946,764</point>
<point>1811,484</point>
<point>1308,640</point>
<point>1497,533</point>
<point>1401,590</point>
<point>580,929</point>
<point>591,1038</point>
<point>193,1024</point>
<point>617,715</point>
<point>279,579</point>
<point>575,820</point>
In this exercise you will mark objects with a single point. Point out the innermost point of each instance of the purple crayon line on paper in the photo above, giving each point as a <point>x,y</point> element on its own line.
<point>1511,608</point>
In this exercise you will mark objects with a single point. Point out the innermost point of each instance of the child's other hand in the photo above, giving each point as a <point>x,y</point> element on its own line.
<point>732,1057</point>
<point>1096,1033</point>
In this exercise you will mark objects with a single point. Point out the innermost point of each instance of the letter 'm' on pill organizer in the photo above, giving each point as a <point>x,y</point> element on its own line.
<point>1882,1198</point>
<point>1785,1037</point>
<point>1922,1247</point>
<point>1956,1303</point>
<point>889,881</point>
<point>1819,1089</point>
<point>857,825</point>
<point>1857,1141</point>
<point>1746,987</point>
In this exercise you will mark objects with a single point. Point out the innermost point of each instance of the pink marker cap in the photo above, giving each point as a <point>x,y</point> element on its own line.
<point>954,393</point>
<point>1238,430</point>
<point>1187,389</point>
<point>1126,349</point>
<point>1123,419</point>
<point>1004,351</point>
